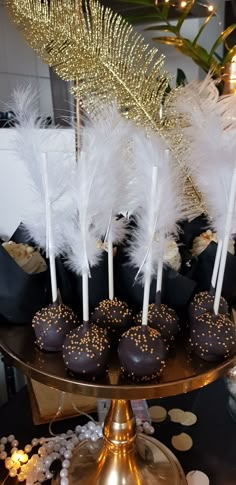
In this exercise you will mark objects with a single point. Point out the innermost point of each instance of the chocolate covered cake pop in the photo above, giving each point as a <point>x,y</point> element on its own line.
<point>213,337</point>
<point>51,325</point>
<point>163,319</point>
<point>86,351</point>
<point>142,353</point>
<point>113,315</point>
<point>203,302</point>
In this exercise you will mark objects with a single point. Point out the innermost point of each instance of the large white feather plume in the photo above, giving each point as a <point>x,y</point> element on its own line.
<point>31,140</point>
<point>167,206</point>
<point>211,140</point>
<point>80,230</point>
<point>101,187</point>
<point>108,137</point>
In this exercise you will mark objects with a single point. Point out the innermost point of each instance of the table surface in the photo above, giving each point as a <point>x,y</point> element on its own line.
<point>214,434</point>
<point>183,372</point>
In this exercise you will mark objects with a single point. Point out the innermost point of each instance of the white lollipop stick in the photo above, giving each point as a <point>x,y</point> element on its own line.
<point>49,232</point>
<point>108,240</point>
<point>226,238</point>
<point>160,261</point>
<point>85,294</point>
<point>110,266</point>
<point>147,280</point>
<point>159,281</point>
<point>216,265</point>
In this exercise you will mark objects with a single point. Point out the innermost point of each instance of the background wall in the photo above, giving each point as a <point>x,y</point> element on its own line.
<point>19,65</point>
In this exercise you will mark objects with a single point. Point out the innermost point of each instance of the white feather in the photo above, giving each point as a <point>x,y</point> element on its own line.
<point>119,230</point>
<point>106,139</point>
<point>167,210</point>
<point>101,188</point>
<point>211,137</point>
<point>31,140</point>
<point>80,232</point>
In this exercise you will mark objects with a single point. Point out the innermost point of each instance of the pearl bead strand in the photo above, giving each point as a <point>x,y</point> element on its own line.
<point>36,466</point>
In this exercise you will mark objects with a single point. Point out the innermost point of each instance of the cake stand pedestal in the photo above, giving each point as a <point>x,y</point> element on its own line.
<point>121,457</point>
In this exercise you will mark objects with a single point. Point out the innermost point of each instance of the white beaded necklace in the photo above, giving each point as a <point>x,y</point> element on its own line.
<point>35,468</point>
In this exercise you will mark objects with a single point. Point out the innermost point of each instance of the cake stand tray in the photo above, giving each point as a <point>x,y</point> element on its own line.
<point>122,457</point>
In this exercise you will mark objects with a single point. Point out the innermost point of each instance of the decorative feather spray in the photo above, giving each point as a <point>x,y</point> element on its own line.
<point>107,136</point>
<point>158,213</point>
<point>212,142</point>
<point>83,251</point>
<point>97,189</point>
<point>113,134</point>
<point>86,42</point>
<point>47,176</point>
<point>86,349</point>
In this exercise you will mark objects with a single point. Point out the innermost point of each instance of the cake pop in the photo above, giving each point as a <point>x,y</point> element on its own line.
<point>142,353</point>
<point>86,351</point>
<point>213,337</point>
<point>163,319</point>
<point>51,325</point>
<point>113,315</point>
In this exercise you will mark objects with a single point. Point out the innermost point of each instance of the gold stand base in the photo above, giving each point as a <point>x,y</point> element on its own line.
<point>149,463</point>
<point>122,458</point>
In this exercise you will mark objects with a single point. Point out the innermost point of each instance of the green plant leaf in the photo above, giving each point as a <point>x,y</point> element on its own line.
<point>199,55</point>
<point>198,49</point>
<point>185,13</point>
<point>229,56</point>
<point>184,50</point>
<point>223,36</point>
<point>165,10</point>
<point>144,3</point>
<point>181,79</point>
<point>169,40</point>
<point>162,27</point>
<point>137,19</point>
<point>206,21</point>
<point>219,58</point>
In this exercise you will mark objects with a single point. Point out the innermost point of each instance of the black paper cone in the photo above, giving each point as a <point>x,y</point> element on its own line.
<point>21,294</point>
<point>177,289</point>
<point>205,268</point>
<point>70,285</point>
<point>21,235</point>
<point>191,229</point>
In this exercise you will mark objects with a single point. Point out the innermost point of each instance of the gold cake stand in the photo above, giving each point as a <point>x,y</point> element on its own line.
<point>122,457</point>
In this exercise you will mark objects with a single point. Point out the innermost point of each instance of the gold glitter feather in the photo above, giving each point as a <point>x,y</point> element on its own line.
<point>84,41</point>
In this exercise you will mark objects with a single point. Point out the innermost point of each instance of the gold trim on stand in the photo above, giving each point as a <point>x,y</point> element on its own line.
<point>183,373</point>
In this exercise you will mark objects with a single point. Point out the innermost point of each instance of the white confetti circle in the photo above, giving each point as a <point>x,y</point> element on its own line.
<point>197,477</point>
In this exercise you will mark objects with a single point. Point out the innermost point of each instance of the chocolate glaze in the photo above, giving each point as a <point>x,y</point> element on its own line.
<point>203,302</point>
<point>142,353</point>
<point>213,337</point>
<point>51,325</point>
<point>86,351</point>
<point>163,319</point>
<point>113,315</point>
